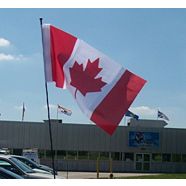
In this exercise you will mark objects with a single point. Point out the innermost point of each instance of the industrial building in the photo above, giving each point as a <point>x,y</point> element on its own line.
<point>141,146</point>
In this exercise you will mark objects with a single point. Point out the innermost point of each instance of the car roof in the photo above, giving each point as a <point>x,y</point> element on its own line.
<point>5,156</point>
<point>16,156</point>
<point>9,156</point>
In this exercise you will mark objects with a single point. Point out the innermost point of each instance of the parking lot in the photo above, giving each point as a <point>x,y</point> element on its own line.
<point>93,175</point>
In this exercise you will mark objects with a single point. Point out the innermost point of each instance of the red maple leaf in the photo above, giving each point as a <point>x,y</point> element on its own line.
<point>84,80</point>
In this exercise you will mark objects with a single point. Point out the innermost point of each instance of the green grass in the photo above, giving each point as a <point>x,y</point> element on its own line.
<point>160,176</point>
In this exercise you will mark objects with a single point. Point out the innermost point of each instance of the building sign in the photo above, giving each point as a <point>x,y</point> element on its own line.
<point>31,154</point>
<point>143,139</point>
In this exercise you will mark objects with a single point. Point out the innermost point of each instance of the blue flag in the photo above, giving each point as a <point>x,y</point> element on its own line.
<point>162,115</point>
<point>132,115</point>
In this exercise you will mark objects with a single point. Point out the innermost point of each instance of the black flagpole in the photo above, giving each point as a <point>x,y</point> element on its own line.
<point>48,109</point>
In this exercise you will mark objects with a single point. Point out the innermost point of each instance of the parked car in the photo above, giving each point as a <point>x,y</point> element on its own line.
<point>35,166</point>
<point>6,174</point>
<point>14,165</point>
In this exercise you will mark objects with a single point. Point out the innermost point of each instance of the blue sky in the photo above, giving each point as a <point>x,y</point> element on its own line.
<point>148,42</point>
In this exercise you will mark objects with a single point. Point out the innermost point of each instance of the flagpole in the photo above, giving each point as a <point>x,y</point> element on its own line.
<point>48,109</point>
<point>23,112</point>
<point>110,159</point>
<point>57,112</point>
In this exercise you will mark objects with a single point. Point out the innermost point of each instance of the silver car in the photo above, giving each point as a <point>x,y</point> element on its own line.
<point>18,167</point>
<point>6,174</point>
<point>35,166</point>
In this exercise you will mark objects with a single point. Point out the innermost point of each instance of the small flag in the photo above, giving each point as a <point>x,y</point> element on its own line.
<point>162,115</point>
<point>64,110</point>
<point>23,112</point>
<point>132,115</point>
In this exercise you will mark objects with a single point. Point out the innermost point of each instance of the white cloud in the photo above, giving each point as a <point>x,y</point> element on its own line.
<point>4,42</point>
<point>6,57</point>
<point>144,112</point>
<point>9,57</point>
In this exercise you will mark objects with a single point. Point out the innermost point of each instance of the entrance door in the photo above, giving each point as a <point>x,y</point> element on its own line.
<point>142,162</point>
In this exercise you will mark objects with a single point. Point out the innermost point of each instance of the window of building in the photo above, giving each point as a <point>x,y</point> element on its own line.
<point>166,157</point>
<point>176,157</point>
<point>183,157</point>
<point>104,155</point>
<point>139,157</point>
<point>61,154</point>
<point>156,157</point>
<point>146,157</point>
<point>139,166</point>
<point>41,153</point>
<point>93,155</point>
<point>129,157</point>
<point>82,155</point>
<point>146,166</point>
<point>71,155</point>
<point>116,156</point>
<point>48,153</point>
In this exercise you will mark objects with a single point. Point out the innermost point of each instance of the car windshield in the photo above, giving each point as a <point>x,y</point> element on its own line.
<point>22,166</point>
<point>8,174</point>
<point>27,161</point>
<point>30,161</point>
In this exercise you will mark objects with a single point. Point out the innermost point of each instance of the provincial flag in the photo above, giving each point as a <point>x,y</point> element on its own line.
<point>132,115</point>
<point>102,88</point>
<point>64,110</point>
<point>162,115</point>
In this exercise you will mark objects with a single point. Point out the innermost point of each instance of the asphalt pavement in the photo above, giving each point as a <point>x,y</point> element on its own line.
<point>93,175</point>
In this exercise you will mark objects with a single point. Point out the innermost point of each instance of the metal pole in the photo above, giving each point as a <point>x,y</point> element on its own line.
<point>97,167</point>
<point>23,112</point>
<point>110,160</point>
<point>48,109</point>
<point>67,166</point>
<point>57,112</point>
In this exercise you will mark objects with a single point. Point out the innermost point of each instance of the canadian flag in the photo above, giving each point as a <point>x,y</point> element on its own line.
<point>103,89</point>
